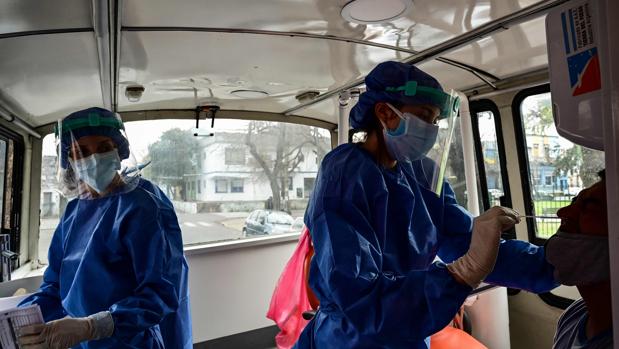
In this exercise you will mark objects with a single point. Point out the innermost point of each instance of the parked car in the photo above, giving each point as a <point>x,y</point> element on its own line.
<point>297,225</point>
<point>264,222</point>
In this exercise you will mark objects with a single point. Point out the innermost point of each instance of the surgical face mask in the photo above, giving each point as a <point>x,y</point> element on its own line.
<point>98,170</point>
<point>412,139</point>
<point>578,259</point>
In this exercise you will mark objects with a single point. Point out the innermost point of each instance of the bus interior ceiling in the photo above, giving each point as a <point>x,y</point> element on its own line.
<point>256,60</point>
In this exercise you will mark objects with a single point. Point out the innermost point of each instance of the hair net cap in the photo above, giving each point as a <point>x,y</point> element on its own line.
<point>391,75</point>
<point>92,122</point>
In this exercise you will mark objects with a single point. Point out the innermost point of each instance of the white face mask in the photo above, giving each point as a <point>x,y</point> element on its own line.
<point>578,259</point>
<point>98,170</point>
<point>412,139</point>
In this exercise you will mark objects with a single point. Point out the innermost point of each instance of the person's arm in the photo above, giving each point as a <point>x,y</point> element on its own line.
<point>349,259</point>
<point>519,264</point>
<point>156,257</point>
<point>522,265</point>
<point>48,295</point>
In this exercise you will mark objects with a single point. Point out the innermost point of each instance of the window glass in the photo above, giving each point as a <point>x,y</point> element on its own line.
<point>215,182</point>
<point>280,218</point>
<point>3,171</point>
<point>221,186</point>
<point>53,203</point>
<point>236,186</point>
<point>308,186</point>
<point>235,156</point>
<point>558,168</point>
<point>454,172</point>
<point>491,158</point>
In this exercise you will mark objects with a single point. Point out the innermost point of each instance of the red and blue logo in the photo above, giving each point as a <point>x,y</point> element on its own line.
<point>584,70</point>
<point>584,67</point>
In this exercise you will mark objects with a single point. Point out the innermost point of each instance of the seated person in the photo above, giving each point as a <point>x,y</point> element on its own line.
<point>579,253</point>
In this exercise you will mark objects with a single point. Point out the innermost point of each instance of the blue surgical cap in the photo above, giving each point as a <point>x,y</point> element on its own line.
<point>388,82</point>
<point>91,122</point>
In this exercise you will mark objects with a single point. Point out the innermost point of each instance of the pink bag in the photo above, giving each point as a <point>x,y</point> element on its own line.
<point>290,298</point>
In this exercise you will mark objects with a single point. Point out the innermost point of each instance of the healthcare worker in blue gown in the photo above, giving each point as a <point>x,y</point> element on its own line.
<point>377,224</point>
<point>117,276</point>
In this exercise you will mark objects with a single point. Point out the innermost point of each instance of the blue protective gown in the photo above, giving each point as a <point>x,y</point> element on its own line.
<point>122,253</point>
<point>376,233</point>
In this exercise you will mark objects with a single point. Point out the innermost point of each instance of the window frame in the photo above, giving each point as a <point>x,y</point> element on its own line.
<point>15,188</point>
<point>480,106</point>
<point>525,179</point>
<point>523,158</point>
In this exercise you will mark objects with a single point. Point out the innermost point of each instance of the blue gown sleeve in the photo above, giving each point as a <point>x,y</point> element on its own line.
<point>156,260</point>
<point>523,266</point>
<point>348,259</point>
<point>520,264</point>
<point>48,295</point>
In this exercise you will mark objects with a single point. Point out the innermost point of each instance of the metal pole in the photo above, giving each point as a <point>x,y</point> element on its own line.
<point>100,21</point>
<point>342,122</point>
<point>468,150</point>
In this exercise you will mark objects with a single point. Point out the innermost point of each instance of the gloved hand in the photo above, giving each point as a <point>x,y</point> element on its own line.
<point>478,262</point>
<point>66,333</point>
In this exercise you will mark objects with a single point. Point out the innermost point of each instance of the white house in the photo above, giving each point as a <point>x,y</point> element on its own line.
<point>230,175</point>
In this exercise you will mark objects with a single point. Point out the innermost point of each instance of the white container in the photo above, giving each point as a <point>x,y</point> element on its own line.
<point>573,36</point>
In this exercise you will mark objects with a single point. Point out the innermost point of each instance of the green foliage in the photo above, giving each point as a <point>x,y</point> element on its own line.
<point>576,160</point>
<point>175,154</point>
<point>538,119</point>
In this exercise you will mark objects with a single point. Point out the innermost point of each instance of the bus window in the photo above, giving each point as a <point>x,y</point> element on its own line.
<point>491,159</point>
<point>11,164</point>
<point>557,168</point>
<point>454,172</point>
<point>216,182</point>
<point>490,155</point>
<point>52,201</point>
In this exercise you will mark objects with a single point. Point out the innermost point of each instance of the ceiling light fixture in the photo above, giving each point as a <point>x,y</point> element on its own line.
<point>372,11</point>
<point>249,94</point>
<point>134,93</point>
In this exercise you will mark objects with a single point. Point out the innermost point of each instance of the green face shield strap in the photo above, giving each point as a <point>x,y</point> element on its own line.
<point>448,104</point>
<point>93,120</point>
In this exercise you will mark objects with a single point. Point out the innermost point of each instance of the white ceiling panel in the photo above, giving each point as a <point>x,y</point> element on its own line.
<point>47,76</point>
<point>427,23</point>
<point>171,64</point>
<point>327,110</point>
<point>32,15</point>
<point>518,50</point>
<point>450,77</point>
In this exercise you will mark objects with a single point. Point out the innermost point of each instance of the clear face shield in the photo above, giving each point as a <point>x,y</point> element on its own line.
<point>435,161</point>
<point>439,154</point>
<point>94,157</point>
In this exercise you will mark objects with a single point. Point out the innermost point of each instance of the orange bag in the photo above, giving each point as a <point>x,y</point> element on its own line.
<point>453,338</point>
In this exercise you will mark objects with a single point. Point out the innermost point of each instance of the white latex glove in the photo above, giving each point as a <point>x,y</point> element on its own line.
<point>66,333</point>
<point>478,262</point>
